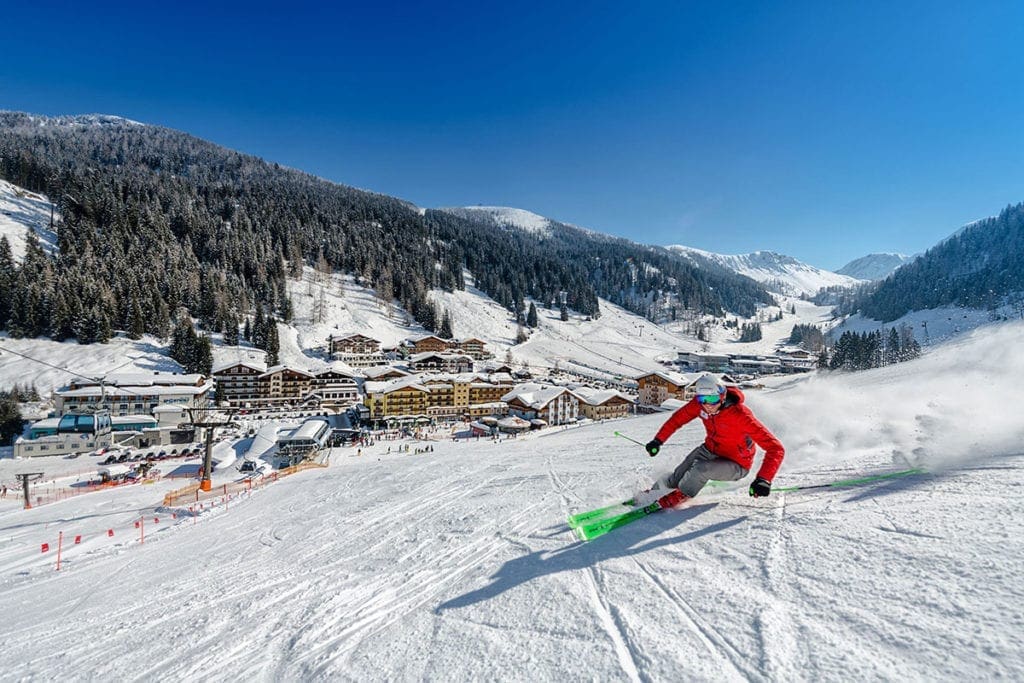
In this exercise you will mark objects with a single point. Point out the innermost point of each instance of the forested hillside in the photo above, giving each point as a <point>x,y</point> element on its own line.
<point>155,222</point>
<point>982,266</point>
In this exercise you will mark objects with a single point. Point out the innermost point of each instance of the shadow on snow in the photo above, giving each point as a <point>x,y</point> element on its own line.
<point>623,542</point>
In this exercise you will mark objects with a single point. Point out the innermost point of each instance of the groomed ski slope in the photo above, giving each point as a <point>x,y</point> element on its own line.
<point>457,565</point>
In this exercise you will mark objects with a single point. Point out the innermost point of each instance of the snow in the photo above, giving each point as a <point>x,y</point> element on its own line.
<point>21,211</point>
<point>930,327</point>
<point>778,273</point>
<point>874,266</point>
<point>457,564</point>
<point>521,219</point>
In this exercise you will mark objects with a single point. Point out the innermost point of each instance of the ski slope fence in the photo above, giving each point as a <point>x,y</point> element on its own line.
<point>184,506</point>
<point>194,494</point>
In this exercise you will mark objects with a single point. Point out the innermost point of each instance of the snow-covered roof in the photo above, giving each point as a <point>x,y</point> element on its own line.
<point>254,365</point>
<point>417,357</point>
<point>378,370</point>
<point>128,391</point>
<point>280,368</point>
<point>168,408</point>
<point>410,382</point>
<point>596,397</point>
<point>140,379</point>
<point>338,336</point>
<point>535,396</point>
<point>131,419</point>
<point>680,379</point>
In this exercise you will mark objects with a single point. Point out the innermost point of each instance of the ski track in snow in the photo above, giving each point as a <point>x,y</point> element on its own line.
<point>457,565</point>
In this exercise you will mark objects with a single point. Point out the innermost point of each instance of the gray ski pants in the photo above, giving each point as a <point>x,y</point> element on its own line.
<point>701,466</point>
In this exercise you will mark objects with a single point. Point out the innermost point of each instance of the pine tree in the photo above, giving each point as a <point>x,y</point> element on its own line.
<point>531,316</point>
<point>203,356</point>
<point>273,344</point>
<point>136,324</point>
<point>446,326</point>
<point>231,331</point>
<point>11,422</point>
<point>892,347</point>
<point>7,280</point>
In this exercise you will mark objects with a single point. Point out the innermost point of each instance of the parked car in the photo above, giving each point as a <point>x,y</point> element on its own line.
<point>109,460</point>
<point>123,457</point>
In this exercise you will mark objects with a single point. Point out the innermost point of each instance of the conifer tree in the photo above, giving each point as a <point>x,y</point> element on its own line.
<point>531,316</point>
<point>446,326</point>
<point>11,422</point>
<point>272,344</point>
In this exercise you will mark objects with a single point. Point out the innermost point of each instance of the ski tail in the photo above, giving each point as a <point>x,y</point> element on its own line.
<point>588,531</point>
<point>598,513</point>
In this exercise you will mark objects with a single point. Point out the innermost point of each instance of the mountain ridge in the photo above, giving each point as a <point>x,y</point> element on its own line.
<point>874,266</point>
<point>778,272</point>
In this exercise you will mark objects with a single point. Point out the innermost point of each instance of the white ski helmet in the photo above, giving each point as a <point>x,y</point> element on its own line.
<point>709,385</point>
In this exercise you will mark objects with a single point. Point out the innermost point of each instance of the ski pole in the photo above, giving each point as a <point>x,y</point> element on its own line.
<point>854,482</point>
<point>628,438</point>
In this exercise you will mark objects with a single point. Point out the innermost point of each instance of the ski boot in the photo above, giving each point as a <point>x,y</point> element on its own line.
<point>672,498</point>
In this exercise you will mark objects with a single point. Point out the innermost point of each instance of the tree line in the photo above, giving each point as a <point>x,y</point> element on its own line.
<point>866,350</point>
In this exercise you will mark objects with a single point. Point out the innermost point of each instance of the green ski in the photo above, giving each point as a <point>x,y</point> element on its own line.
<point>590,530</point>
<point>599,513</point>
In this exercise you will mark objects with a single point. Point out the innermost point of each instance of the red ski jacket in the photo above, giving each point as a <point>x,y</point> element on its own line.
<point>731,433</point>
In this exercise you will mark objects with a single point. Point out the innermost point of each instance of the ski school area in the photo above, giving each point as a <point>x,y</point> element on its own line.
<point>889,548</point>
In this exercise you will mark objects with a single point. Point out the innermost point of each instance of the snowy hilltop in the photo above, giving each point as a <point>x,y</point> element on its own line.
<point>457,564</point>
<point>874,266</point>
<point>778,273</point>
<point>506,217</point>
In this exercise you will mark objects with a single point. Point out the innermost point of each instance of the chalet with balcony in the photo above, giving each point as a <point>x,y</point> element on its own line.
<point>133,393</point>
<point>553,405</point>
<point>603,404</point>
<point>355,350</point>
<point>441,362</point>
<point>238,382</point>
<point>472,347</point>
<point>431,344</point>
<point>332,387</point>
<point>284,386</point>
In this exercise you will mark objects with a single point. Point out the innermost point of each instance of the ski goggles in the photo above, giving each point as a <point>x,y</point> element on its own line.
<point>709,399</point>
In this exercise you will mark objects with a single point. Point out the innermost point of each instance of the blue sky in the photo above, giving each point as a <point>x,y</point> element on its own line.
<point>824,131</point>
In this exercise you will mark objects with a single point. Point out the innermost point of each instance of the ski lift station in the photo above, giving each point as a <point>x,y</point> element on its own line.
<point>304,441</point>
<point>76,432</point>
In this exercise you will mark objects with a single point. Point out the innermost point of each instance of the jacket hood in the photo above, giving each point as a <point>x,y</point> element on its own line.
<point>733,396</point>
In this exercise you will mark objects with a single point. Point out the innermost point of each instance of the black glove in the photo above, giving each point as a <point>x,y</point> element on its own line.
<point>760,488</point>
<point>653,446</point>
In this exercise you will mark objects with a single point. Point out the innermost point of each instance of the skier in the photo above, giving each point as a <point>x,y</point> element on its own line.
<point>728,449</point>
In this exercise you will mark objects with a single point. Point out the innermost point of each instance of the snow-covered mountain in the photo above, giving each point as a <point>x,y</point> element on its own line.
<point>777,272</point>
<point>505,217</point>
<point>874,266</point>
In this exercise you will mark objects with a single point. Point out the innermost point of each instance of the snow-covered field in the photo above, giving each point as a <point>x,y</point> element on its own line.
<point>457,564</point>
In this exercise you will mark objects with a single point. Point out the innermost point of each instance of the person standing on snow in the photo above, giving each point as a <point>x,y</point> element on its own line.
<point>728,449</point>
